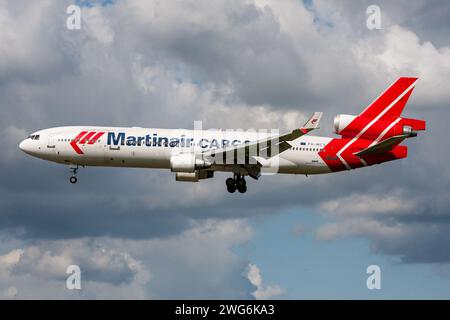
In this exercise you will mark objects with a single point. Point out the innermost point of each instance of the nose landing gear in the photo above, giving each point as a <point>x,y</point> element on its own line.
<point>73,179</point>
<point>237,183</point>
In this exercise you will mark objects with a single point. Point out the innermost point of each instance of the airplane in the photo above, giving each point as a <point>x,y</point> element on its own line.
<point>369,138</point>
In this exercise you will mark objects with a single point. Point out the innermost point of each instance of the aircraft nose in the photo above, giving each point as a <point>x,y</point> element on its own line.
<point>24,146</point>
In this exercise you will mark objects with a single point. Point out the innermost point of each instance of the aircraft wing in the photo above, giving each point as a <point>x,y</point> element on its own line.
<point>265,146</point>
<point>381,147</point>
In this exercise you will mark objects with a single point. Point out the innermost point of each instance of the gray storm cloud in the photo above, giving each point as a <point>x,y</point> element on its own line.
<point>254,63</point>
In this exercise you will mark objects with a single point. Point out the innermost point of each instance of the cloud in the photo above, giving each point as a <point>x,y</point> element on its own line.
<point>299,230</point>
<point>367,204</point>
<point>8,262</point>
<point>198,263</point>
<point>395,223</point>
<point>10,139</point>
<point>51,261</point>
<point>98,25</point>
<point>10,293</point>
<point>23,272</point>
<point>263,292</point>
<point>361,227</point>
<point>402,52</point>
<point>260,64</point>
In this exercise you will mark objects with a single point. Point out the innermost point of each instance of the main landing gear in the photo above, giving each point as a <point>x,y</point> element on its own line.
<point>73,179</point>
<point>237,183</point>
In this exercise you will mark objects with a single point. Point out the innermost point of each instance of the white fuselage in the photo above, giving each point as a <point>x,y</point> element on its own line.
<point>153,148</point>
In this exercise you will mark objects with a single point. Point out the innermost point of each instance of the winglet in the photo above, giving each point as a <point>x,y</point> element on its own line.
<point>312,123</point>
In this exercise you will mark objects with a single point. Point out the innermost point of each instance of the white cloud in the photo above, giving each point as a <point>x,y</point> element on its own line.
<point>200,262</point>
<point>401,52</point>
<point>263,292</point>
<point>261,64</point>
<point>97,25</point>
<point>370,228</point>
<point>359,204</point>
<point>367,215</point>
<point>8,262</point>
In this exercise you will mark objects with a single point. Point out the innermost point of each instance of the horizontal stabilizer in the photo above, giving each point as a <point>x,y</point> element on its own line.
<point>381,147</point>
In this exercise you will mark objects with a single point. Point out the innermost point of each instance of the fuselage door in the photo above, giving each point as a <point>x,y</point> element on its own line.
<point>51,141</point>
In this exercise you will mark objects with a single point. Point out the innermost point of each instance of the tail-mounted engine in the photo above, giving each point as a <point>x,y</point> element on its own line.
<point>341,121</point>
<point>350,126</point>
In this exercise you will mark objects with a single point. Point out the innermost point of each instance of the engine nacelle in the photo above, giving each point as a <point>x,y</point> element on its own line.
<point>341,121</point>
<point>183,162</point>
<point>193,176</point>
<point>187,162</point>
<point>186,176</point>
<point>410,132</point>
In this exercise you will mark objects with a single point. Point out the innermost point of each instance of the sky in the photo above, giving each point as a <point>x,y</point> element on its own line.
<point>137,233</point>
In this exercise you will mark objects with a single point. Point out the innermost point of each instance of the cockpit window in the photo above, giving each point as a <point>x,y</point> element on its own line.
<point>34,137</point>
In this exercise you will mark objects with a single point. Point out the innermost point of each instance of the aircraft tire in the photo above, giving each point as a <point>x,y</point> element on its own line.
<point>231,189</point>
<point>241,183</point>
<point>242,188</point>
<point>230,182</point>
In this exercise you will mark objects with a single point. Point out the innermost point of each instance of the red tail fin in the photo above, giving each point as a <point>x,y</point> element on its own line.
<point>392,101</point>
<point>383,110</point>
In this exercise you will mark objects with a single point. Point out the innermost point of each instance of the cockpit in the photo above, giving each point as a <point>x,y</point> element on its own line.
<point>34,137</point>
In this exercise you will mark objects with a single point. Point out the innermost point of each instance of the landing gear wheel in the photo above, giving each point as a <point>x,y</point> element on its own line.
<point>230,182</point>
<point>240,183</point>
<point>242,188</point>
<point>73,179</point>
<point>231,189</point>
<point>236,183</point>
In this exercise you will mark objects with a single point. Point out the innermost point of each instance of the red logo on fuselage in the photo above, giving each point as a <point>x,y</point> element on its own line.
<point>85,137</point>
